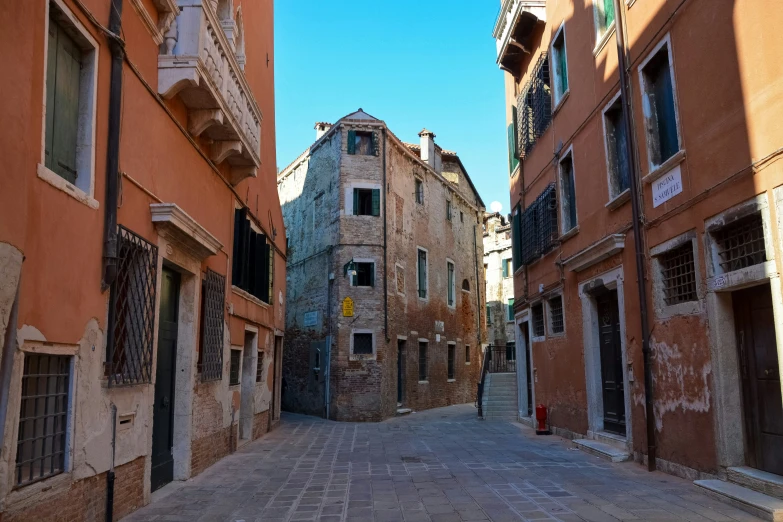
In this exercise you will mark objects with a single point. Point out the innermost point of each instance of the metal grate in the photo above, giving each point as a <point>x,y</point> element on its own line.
<point>132,321</point>
<point>538,226</point>
<point>213,296</point>
<point>679,275</point>
<point>534,107</point>
<point>741,244</point>
<point>233,373</point>
<point>43,417</point>
<point>260,367</point>
<point>362,343</point>
<point>422,361</point>
<point>556,314</point>
<point>538,320</point>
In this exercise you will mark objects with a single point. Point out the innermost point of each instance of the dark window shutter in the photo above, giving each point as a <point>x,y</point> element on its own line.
<point>376,201</point>
<point>513,152</point>
<point>240,250</point>
<point>355,202</point>
<point>251,280</point>
<point>664,109</point>
<point>51,72</point>
<point>263,267</point>
<point>516,237</point>
<point>351,142</point>
<point>66,106</point>
<point>270,259</point>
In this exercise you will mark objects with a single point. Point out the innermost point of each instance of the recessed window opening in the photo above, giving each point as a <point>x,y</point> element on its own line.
<point>362,343</point>
<point>365,274</point>
<point>617,149</point>
<point>659,108</point>
<point>538,319</point>
<point>678,272</point>
<point>741,244</point>
<point>556,314</point>
<point>567,193</point>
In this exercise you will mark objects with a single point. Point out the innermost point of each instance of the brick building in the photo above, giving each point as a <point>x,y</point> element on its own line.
<point>704,100</point>
<point>384,283</point>
<point>142,272</point>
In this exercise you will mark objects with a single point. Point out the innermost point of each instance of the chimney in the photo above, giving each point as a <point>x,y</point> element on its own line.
<point>321,128</point>
<point>427,147</point>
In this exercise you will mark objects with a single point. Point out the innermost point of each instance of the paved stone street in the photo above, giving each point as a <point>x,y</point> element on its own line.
<point>439,465</point>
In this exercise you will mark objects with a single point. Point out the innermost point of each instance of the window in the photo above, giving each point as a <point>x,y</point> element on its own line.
<point>741,244</point>
<point>678,273</point>
<point>556,315</point>
<point>466,285</point>
<point>511,351</point>
<point>365,275</point>
<point>489,315</point>
<point>366,202</point>
<point>560,65</point>
<point>448,210</point>
<point>452,289</point>
<point>132,311</point>
<point>604,16</point>
<point>510,310</point>
<point>461,217</point>
<point>361,143</point>
<point>537,227</point>
<point>419,192</point>
<point>43,417</point>
<point>659,107</point>
<point>450,365</point>
<point>253,259</point>
<point>210,354</point>
<point>516,237</point>
<point>538,319</point>
<point>233,374</point>
<point>567,193</point>
<point>422,361</point>
<point>534,107</point>
<point>70,100</point>
<point>260,367</point>
<point>362,344</point>
<point>422,271</point>
<point>616,149</point>
<point>467,354</point>
<point>513,142</point>
<point>506,267</point>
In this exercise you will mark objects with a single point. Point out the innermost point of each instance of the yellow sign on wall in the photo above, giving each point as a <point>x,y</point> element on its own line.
<point>347,307</point>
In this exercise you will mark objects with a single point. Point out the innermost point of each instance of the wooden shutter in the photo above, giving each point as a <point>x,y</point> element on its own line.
<point>51,71</point>
<point>65,108</point>
<point>351,142</point>
<point>263,266</point>
<point>513,153</point>
<point>251,280</point>
<point>355,202</point>
<point>608,13</point>
<point>376,201</point>
<point>241,252</point>
<point>516,237</point>
<point>271,260</point>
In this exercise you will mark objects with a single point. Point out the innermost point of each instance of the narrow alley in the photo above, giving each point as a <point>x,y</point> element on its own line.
<point>440,465</point>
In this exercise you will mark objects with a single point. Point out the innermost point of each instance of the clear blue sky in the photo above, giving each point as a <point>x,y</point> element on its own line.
<point>411,63</point>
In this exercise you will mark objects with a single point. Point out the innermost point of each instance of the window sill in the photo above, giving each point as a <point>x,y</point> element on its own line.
<point>451,380</point>
<point>661,170</point>
<point>424,382</point>
<point>560,102</point>
<point>69,188</point>
<point>250,297</point>
<point>619,200</point>
<point>599,46</point>
<point>467,364</point>
<point>539,339</point>
<point>568,235</point>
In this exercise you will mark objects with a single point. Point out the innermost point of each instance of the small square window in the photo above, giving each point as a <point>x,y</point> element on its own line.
<point>361,143</point>
<point>538,320</point>
<point>365,274</point>
<point>366,202</point>
<point>260,366</point>
<point>556,315</point>
<point>362,344</point>
<point>678,272</point>
<point>419,192</point>
<point>233,376</point>
<point>422,361</point>
<point>741,244</point>
<point>663,140</point>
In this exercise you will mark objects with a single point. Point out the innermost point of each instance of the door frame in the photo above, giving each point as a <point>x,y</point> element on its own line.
<point>523,363</point>
<point>610,280</point>
<point>404,339</point>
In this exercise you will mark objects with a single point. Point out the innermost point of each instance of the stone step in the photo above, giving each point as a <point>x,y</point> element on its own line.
<point>403,411</point>
<point>755,503</point>
<point>506,418</point>
<point>761,481</point>
<point>600,449</point>
<point>508,390</point>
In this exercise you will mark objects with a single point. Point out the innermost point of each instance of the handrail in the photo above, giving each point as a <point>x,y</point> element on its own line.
<point>480,391</point>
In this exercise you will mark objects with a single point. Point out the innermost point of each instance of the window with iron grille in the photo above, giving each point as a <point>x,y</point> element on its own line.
<point>678,273</point>
<point>233,373</point>
<point>556,314</point>
<point>452,348</point>
<point>741,244</point>
<point>538,319</point>
<point>210,356</point>
<point>132,311</point>
<point>419,192</point>
<point>253,259</point>
<point>260,367</point>
<point>43,417</point>
<point>422,361</point>
<point>422,273</point>
<point>534,107</point>
<point>362,343</point>
<point>538,226</point>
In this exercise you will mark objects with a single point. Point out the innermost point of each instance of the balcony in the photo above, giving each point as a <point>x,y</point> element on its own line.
<point>516,22</point>
<point>199,63</point>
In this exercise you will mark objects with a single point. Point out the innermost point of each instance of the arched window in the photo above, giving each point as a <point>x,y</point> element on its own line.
<point>466,285</point>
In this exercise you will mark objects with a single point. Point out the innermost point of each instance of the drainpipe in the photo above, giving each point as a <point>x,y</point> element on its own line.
<point>637,233</point>
<point>385,256</point>
<point>328,369</point>
<point>7,364</point>
<point>113,148</point>
<point>110,474</point>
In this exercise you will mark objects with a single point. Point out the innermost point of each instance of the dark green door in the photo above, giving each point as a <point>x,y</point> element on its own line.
<point>612,375</point>
<point>163,411</point>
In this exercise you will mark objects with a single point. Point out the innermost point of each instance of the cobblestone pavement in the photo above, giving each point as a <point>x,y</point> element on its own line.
<point>439,465</point>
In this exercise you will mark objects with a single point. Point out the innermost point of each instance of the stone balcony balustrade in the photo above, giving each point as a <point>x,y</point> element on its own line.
<point>516,21</point>
<point>199,64</point>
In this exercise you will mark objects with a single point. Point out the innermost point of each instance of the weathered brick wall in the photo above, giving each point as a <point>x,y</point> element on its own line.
<point>210,449</point>
<point>85,500</point>
<point>261,424</point>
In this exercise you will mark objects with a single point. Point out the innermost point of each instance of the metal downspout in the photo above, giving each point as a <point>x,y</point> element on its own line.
<point>637,235</point>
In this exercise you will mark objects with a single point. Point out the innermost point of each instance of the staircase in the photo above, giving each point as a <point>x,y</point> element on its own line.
<point>499,398</point>
<point>754,491</point>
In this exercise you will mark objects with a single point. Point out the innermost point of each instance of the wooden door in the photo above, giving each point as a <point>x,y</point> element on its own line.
<point>612,375</point>
<point>163,410</point>
<point>759,367</point>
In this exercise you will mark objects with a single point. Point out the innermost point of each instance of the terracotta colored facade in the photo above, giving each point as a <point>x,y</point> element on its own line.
<point>196,146</point>
<point>721,170</point>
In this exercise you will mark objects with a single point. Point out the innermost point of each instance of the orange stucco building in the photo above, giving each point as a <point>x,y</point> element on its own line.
<point>704,100</point>
<point>142,247</point>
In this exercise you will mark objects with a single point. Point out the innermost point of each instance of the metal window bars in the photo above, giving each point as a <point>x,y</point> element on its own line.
<point>260,367</point>
<point>678,273</point>
<point>741,244</point>
<point>43,417</point>
<point>538,320</point>
<point>534,106</point>
<point>538,226</point>
<point>362,343</point>
<point>132,312</point>
<point>233,374</point>
<point>213,304</point>
<point>556,314</point>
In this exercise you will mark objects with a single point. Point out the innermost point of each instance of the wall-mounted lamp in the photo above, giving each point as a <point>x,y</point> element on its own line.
<point>350,268</point>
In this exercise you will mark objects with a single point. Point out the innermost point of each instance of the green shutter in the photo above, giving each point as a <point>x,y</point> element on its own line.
<point>608,13</point>
<point>489,315</point>
<point>513,148</point>
<point>51,68</point>
<point>376,201</point>
<point>516,237</point>
<point>355,202</point>
<point>351,142</point>
<point>562,66</point>
<point>505,268</point>
<point>65,117</point>
<point>511,309</point>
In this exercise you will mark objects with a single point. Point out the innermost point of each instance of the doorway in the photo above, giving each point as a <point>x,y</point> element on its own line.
<point>247,386</point>
<point>400,371</point>
<point>277,365</point>
<point>162,471</point>
<point>528,363</point>
<point>612,375</point>
<point>760,376</point>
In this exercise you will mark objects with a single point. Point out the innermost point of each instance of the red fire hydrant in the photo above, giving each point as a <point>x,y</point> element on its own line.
<point>541,429</point>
